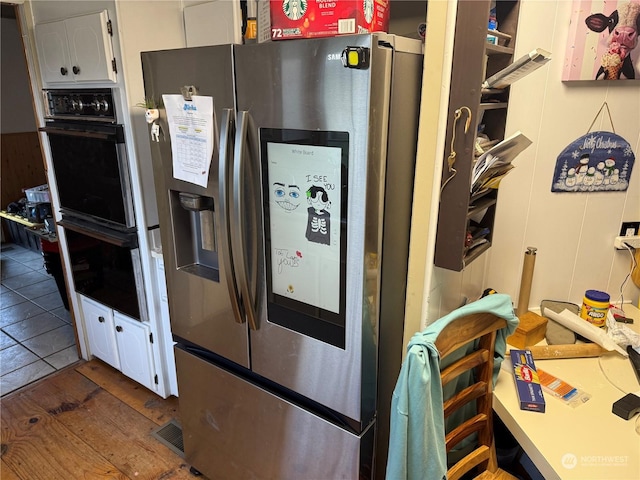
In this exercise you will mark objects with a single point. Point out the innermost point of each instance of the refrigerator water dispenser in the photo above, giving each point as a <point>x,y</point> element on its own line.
<point>194,234</point>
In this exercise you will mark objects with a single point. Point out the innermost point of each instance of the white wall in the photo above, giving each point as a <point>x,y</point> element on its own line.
<point>434,104</point>
<point>572,232</point>
<point>163,31</point>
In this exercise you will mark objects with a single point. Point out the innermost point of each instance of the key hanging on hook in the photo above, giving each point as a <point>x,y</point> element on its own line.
<point>451,159</point>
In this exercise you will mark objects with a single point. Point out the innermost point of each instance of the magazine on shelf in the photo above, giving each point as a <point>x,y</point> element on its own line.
<point>518,69</point>
<point>495,163</point>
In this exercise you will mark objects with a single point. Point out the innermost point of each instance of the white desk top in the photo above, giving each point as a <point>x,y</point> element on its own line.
<point>586,442</point>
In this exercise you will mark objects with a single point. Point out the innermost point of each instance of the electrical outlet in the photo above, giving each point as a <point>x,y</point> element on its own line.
<point>631,240</point>
<point>630,229</point>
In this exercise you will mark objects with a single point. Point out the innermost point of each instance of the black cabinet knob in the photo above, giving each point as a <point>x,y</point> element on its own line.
<point>101,319</point>
<point>76,70</point>
<point>118,328</point>
<point>63,70</point>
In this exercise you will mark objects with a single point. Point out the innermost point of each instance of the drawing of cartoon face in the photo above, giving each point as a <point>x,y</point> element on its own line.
<point>318,199</point>
<point>319,219</point>
<point>286,196</point>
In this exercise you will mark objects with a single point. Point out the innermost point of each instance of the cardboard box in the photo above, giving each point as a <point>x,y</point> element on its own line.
<point>317,18</point>
<point>527,381</point>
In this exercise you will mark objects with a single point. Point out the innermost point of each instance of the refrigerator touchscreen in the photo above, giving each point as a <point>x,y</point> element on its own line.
<point>304,178</point>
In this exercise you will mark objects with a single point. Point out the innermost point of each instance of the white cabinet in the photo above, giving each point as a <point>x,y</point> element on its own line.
<point>213,23</point>
<point>77,49</point>
<point>98,321</point>
<point>133,341</point>
<point>120,341</point>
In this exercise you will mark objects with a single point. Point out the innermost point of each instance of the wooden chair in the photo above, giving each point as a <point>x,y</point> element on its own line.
<point>458,333</point>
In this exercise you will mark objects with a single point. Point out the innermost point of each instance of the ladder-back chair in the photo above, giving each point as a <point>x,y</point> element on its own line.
<point>479,361</point>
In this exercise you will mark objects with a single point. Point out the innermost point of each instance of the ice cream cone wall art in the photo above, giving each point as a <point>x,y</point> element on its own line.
<point>603,41</point>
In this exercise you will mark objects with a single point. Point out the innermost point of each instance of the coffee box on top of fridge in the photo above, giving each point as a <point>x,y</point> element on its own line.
<point>319,18</point>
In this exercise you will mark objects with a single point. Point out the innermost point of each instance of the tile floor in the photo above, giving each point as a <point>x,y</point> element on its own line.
<point>36,335</point>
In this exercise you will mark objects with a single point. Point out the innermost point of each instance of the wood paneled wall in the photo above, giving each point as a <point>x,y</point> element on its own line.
<point>22,165</point>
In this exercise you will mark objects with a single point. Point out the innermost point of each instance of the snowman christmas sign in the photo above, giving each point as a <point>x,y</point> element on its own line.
<point>596,162</point>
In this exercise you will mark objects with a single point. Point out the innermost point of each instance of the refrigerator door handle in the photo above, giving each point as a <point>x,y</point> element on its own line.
<point>237,222</point>
<point>226,135</point>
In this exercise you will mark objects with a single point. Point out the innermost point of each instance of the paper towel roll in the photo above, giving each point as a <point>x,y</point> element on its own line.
<point>527,279</point>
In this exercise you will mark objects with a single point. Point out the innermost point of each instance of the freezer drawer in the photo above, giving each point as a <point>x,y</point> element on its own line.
<point>235,429</point>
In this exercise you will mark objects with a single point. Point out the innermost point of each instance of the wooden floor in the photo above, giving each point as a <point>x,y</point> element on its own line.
<point>87,422</point>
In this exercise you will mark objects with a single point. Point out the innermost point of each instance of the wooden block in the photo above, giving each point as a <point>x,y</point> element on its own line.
<point>573,350</point>
<point>530,331</point>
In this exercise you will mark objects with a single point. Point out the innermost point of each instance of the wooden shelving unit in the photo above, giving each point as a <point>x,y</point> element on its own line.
<point>474,59</point>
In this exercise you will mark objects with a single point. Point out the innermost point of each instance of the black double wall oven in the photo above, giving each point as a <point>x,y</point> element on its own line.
<point>91,172</point>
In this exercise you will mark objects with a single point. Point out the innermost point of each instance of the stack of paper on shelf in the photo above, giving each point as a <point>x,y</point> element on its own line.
<point>518,69</point>
<point>495,163</point>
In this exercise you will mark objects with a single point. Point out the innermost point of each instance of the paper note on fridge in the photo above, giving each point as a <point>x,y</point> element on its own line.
<point>191,128</point>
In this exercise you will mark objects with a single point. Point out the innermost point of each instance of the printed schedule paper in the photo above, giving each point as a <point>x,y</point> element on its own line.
<point>191,128</point>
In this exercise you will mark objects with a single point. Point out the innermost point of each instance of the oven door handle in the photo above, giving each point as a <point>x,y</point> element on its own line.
<point>119,239</point>
<point>78,133</point>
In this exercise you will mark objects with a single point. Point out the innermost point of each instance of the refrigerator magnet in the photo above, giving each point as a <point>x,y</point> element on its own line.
<point>155,132</point>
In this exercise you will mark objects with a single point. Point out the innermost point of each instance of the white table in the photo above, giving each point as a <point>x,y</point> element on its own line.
<point>587,442</point>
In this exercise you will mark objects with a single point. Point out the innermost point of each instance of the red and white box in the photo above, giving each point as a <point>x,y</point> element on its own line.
<point>318,18</point>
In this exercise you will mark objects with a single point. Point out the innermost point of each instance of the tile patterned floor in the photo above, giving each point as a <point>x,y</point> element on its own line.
<point>36,335</point>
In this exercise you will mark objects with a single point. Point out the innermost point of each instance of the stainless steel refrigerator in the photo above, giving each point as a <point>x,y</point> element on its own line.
<point>286,271</point>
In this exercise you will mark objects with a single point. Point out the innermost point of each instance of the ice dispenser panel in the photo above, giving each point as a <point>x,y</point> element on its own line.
<point>194,238</point>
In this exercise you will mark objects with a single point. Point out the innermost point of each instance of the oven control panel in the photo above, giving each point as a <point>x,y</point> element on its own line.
<point>86,104</point>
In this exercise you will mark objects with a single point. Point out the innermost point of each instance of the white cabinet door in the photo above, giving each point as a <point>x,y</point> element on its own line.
<point>90,48</point>
<point>213,23</point>
<point>76,49</point>
<point>53,52</point>
<point>134,349</point>
<point>99,325</point>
